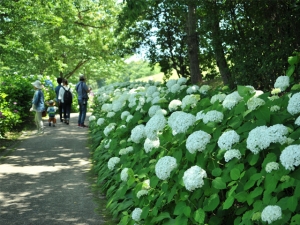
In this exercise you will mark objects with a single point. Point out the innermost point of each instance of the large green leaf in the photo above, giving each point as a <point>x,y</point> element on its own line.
<point>211,203</point>
<point>228,202</point>
<point>235,174</point>
<point>218,183</point>
<point>199,216</point>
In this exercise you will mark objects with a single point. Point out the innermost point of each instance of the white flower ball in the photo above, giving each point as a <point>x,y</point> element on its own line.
<point>193,178</point>
<point>164,167</point>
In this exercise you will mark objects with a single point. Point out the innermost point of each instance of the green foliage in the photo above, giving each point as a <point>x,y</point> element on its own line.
<point>235,191</point>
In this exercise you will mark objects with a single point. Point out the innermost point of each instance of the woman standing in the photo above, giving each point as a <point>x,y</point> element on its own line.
<point>38,106</point>
<point>65,96</point>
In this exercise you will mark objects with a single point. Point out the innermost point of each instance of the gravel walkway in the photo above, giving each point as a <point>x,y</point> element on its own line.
<point>44,180</point>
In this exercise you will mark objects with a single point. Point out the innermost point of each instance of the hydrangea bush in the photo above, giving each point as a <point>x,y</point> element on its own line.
<point>178,154</point>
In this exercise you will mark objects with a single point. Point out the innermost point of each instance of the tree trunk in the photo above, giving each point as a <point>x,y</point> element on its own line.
<point>218,48</point>
<point>193,45</point>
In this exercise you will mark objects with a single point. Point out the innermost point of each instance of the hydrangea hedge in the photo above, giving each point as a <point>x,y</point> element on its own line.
<point>183,154</point>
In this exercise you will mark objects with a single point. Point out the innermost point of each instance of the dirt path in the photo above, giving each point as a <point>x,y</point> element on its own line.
<point>44,180</point>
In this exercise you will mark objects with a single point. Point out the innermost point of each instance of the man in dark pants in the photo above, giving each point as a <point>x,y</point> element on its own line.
<point>82,95</point>
<point>57,88</point>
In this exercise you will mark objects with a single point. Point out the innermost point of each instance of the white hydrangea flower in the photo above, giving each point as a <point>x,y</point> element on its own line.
<point>107,143</point>
<point>275,91</point>
<point>175,88</point>
<point>228,139</point>
<point>274,97</point>
<point>190,101</point>
<point>271,213</point>
<point>124,174</point>
<point>109,128</point>
<point>200,115</point>
<point>217,97</point>
<point>254,103</point>
<point>297,121</point>
<point>213,116</point>
<point>174,105</point>
<point>294,104</point>
<point>180,121</point>
<point>181,80</point>
<point>170,83</point>
<point>125,151</point>
<point>112,162</point>
<point>193,178</point>
<point>277,133</point>
<point>151,90</point>
<point>153,109</point>
<point>282,82</point>
<point>150,144</point>
<point>197,141</point>
<point>106,107</point>
<point>146,184</point>
<point>128,118</point>
<point>258,139</point>
<point>232,153</point>
<point>154,126</point>
<point>274,108</point>
<point>138,133</point>
<point>290,157</point>
<point>136,214</point>
<point>141,193</point>
<point>124,115</point>
<point>272,166</point>
<point>231,100</point>
<point>192,89</point>
<point>110,114</point>
<point>164,167</point>
<point>204,89</point>
<point>100,121</point>
<point>91,118</point>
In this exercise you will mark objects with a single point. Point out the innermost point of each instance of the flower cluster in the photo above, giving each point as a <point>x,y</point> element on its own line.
<point>261,137</point>
<point>294,104</point>
<point>228,139</point>
<point>231,100</point>
<point>106,107</point>
<point>271,213</point>
<point>297,121</point>
<point>150,144</point>
<point>100,121</point>
<point>274,108</point>
<point>174,105</point>
<point>192,89</point>
<point>153,109</point>
<point>110,114</point>
<point>91,118</point>
<point>180,121</point>
<point>282,82</point>
<point>141,193</point>
<point>125,151</point>
<point>204,89</point>
<point>213,116</point>
<point>275,92</point>
<point>164,167</point>
<point>109,128</point>
<point>254,103</point>
<point>154,126</point>
<point>124,174</point>
<point>112,162</point>
<point>124,114</point>
<point>217,97</point>
<point>290,157</point>
<point>190,101</point>
<point>175,88</point>
<point>193,178</point>
<point>197,141</point>
<point>136,214</point>
<point>232,153</point>
<point>271,166</point>
<point>138,133</point>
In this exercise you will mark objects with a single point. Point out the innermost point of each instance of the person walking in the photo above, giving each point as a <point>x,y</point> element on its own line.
<point>57,88</point>
<point>38,106</point>
<point>82,94</point>
<point>51,113</point>
<point>65,96</point>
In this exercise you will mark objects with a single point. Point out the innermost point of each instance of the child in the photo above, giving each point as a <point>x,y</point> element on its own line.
<point>51,113</point>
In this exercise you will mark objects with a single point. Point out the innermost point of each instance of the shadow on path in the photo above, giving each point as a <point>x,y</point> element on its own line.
<point>45,180</point>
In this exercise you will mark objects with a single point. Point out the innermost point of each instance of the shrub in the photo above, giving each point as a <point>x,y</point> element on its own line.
<point>229,157</point>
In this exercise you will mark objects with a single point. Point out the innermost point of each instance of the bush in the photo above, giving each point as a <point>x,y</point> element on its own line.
<point>176,154</point>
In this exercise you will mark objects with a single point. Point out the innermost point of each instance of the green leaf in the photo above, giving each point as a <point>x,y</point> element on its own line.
<point>211,203</point>
<point>228,202</point>
<point>218,183</point>
<point>263,113</point>
<point>172,193</point>
<point>295,87</point>
<point>292,60</point>
<point>145,212</point>
<point>241,196</point>
<point>216,172</point>
<point>187,211</point>
<point>292,203</point>
<point>249,184</point>
<point>154,181</point>
<point>199,216</point>
<point>252,159</point>
<point>295,220</point>
<point>181,220</point>
<point>289,72</point>
<point>235,174</point>
<point>256,192</point>
<point>179,208</point>
<point>160,217</point>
